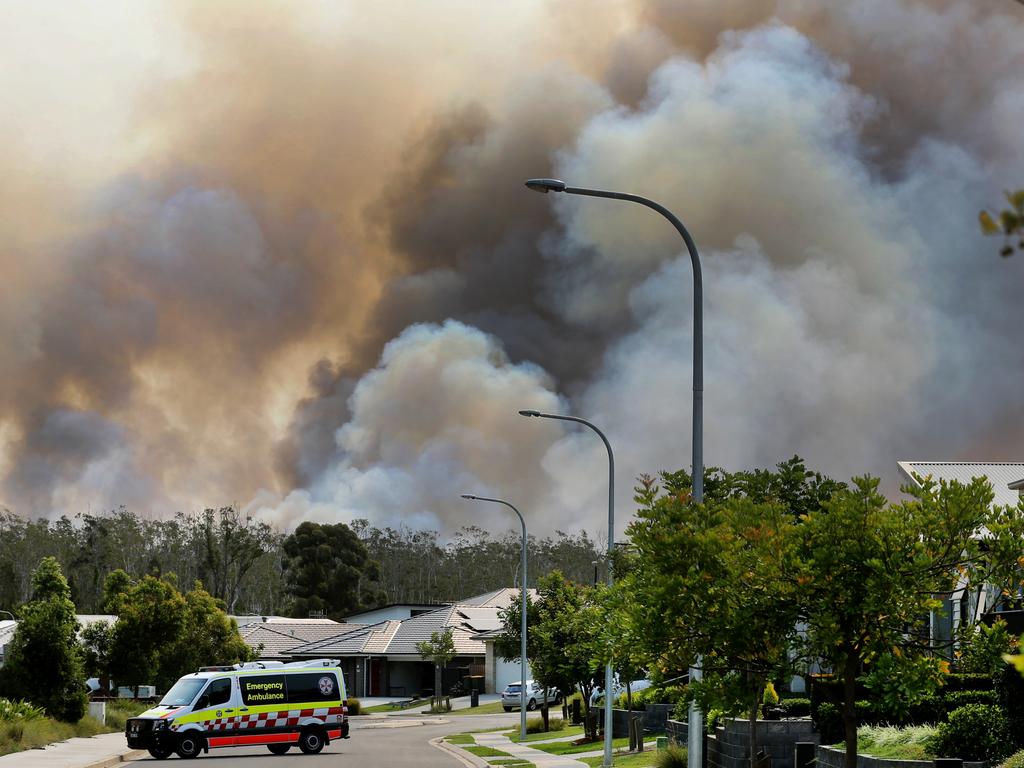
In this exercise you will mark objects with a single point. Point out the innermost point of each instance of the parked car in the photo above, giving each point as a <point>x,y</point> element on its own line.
<point>618,688</point>
<point>510,698</point>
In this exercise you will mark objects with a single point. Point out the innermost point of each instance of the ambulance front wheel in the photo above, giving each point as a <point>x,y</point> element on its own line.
<point>311,741</point>
<point>279,749</point>
<point>189,745</point>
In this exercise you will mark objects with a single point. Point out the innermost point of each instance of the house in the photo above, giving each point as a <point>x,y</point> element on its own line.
<point>382,659</point>
<point>980,602</point>
<point>273,637</point>
<point>7,627</point>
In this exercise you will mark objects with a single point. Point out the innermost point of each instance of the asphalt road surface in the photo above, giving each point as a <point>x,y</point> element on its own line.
<point>393,742</point>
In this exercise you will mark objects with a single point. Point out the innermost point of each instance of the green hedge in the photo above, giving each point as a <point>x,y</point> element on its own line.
<point>974,732</point>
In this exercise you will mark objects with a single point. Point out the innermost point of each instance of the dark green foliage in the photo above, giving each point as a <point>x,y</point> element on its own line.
<point>974,732</point>
<point>324,566</point>
<point>1010,696</point>
<point>209,636</point>
<point>967,682</point>
<point>161,634</point>
<point>43,660</point>
<point>795,707</point>
<point>955,699</point>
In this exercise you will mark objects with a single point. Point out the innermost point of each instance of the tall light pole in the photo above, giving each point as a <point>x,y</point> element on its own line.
<point>696,725</point>
<point>608,682</point>
<point>522,609</point>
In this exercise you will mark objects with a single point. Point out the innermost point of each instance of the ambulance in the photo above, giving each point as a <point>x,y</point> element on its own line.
<point>268,703</point>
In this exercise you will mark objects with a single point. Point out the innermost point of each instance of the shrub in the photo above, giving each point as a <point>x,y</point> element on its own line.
<point>19,710</point>
<point>974,732</point>
<point>673,757</point>
<point>1010,695</point>
<point>795,707</point>
<point>1015,760</point>
<point>956,699</point>
<point>355,707</point>
<point>536,724</point>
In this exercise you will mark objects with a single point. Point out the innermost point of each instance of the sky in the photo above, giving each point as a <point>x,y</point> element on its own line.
<point>279,254</point>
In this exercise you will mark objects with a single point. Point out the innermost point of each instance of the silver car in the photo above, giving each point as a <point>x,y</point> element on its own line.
<point>510,698</point>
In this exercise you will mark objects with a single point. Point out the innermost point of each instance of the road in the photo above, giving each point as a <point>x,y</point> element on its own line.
<point>393,742</point>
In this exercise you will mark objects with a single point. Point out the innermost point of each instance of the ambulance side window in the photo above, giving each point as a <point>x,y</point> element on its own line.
<point>219,692</point>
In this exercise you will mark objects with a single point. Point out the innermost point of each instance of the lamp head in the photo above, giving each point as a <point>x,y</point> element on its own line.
<point>529,413</point>
<point>546,185</point>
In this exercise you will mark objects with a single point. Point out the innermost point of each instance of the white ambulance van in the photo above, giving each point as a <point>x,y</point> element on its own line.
<point>257,703</point>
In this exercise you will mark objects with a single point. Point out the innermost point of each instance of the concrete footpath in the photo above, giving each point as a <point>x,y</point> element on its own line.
<point>538,757</point>
<point>102,751</point>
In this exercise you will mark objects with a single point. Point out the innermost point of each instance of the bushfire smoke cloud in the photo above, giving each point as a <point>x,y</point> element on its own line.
<point>280,254</point>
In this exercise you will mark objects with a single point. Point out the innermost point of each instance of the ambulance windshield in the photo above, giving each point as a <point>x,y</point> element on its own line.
<point>183,692</point>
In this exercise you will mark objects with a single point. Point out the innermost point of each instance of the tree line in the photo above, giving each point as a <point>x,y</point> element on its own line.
<point>253,569</point>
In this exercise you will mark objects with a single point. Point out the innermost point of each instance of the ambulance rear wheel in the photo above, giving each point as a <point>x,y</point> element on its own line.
<point>311,741</point>
<point>279,749</point>
<point>189,745</point>
<point>160,754</point>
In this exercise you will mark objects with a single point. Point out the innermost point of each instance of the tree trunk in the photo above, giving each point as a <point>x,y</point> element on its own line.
<point>752,726</point>
<point>850,710</point>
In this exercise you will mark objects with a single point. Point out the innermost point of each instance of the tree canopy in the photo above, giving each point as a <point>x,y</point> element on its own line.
<point>44,662</point>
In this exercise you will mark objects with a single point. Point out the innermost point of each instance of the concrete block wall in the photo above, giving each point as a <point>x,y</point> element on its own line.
<point>729,747</point>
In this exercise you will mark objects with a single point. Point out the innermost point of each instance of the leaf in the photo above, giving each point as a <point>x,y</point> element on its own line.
<point>1016,200</point>
<point>988,224</point>
<point>1009,221</point>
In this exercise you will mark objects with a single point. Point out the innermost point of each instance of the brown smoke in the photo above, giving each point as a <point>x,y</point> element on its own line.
<point>202,280</point>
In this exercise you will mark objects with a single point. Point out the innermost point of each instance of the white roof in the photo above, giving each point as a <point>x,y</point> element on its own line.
<point>1000,475</point>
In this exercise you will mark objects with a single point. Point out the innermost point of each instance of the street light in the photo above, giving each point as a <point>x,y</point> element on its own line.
<point>522,627</point>
<point>696,725</point>
<point>611,546</point>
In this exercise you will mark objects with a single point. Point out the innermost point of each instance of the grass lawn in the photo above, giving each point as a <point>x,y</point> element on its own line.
<point>390,708</point>
<point>568,748</point>
<point>486,752</point>
<point>576,731</point>
<point>643,760</point>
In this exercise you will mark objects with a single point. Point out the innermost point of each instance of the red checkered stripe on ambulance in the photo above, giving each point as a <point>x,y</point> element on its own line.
<point>279,719</point>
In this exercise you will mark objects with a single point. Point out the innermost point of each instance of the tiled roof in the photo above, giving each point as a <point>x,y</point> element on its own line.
<point>467,618</point>
<point>999,474</point>
<point>279,636</point>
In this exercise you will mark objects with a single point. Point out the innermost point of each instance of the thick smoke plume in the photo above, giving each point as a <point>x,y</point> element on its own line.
<point>280,255</point>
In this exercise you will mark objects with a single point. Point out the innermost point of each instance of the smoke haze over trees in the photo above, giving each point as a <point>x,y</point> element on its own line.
<point>279,256</point>
<point>402,565</point>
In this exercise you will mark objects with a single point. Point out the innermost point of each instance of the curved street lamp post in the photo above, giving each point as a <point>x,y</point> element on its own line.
<point>522,608</point>
<point>696,724</point>
<point>611,546</point>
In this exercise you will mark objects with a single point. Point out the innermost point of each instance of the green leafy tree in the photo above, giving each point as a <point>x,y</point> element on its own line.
<point>151,619</point>
<point>439,650</point>
<point>1007,223</point>
<point>44,661</point>
<point>324,567</point>
<point>563,634</point>
<point>870,571</point>
<point>209,636</point>
<point>714,581</point>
